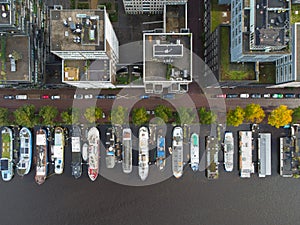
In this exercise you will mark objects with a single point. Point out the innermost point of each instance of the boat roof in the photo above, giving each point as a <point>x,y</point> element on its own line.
<point>75,144</point>
<point>41,139</point>
<point>4,164</point>
<point>127,134</point>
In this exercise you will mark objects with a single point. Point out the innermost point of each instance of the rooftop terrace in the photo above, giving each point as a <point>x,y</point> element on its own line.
<point>80,30</point>
<point>167,57</point>
<point>86,70</point>
<point>267,25</point>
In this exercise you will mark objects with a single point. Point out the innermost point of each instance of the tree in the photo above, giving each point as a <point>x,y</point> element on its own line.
<point>4,117</point>
<point>163,112</point>
<point>92,114</point>
<point>25,116</point>
<point>140,116</point>
<point>207,116</point>
<point>185,116</point>
<point>254,113</point>
<point>296,115</point>
<point>235,117</point>
<point>280,116</point>
<point>118,115</point>
<point>70,116</point>
<point>48,114</point>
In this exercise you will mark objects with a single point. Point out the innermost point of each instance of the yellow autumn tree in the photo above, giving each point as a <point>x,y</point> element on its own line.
<point>280,116</point>
<point>254,113</point>
<point>235,117</point>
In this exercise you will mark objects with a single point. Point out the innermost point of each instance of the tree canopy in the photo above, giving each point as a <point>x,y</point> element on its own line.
<point>4,116</point>
<point>254,113</point>
<point>185,116</point>
<point>280,116</point>
<point>140,116</point>
<point>25,116</point>
<point>48,114</point>
<point>93,114</point>
<point>235,117</point>
<point>296,115</point>
<point>163,112</point>
<point>118,115</point>
<point>206,116</point>
<point>70,116</point>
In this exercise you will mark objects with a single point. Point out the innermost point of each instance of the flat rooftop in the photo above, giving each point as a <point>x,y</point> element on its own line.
<point>77,30</point>
<point>270,25</point>
<point>175,18</point>
<point>168,57</point>
<point>6,13</point>
<point>86,70</point>
<point>15,63</point>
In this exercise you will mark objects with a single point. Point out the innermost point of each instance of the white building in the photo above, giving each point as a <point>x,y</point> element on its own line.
<point>88,46</point>
<point>150,6</point>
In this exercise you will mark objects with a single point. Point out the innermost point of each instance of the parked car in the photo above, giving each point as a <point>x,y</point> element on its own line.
<point>290,95</point>
<point>169,96</point>
<point>244,95</point>
<point>111,96</point>
<point>55,97</point>
<point>232,96</point>
<point>277,95</point>
<point>100,96</point>
<point>21,97</point>
<point>256,95</point>
<point>45,97</point>
<point>267,95</point>
<point>144,97</point>
<point>9,97</point>
<point>221,96</point>
<point>88,96</point>
<point>78,96</point>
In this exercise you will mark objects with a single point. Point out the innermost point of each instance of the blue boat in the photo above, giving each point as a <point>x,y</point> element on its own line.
<point>7,171</point>
<point>161,152</point>
<point>24,164</point>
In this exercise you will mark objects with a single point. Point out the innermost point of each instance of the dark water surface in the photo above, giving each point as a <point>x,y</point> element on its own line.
<point>190,200</point>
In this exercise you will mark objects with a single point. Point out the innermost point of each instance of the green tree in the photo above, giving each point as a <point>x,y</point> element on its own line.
<point>118,115</point>
<point>280,116</point>
<point>235,117</point>
<point>4,116</point>
<point>296,115</point>
<point>93,114</point>
<point>254,113</point>
<point>48,114</point>
<point>207,116</point>
<point>140,116</point>
<point>70,116</point>
<point>163,112</point>
<point>185,116</point>
<point>25,116</point>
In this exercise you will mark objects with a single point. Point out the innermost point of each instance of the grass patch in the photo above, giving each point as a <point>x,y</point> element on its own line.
<point>83,5</point>
<point>5,146</point>
<point>267,73</point>
<point>122,79</point>
<point>295,17</point>
<point>216,14</point>
<point>232,71</point>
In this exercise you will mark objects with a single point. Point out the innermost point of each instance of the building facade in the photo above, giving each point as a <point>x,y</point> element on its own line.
<point>260,30</point>
<point>150,6</point>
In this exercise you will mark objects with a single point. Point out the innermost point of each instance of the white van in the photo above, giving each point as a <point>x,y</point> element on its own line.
<point>21,97</point>
<point>244,95</point>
